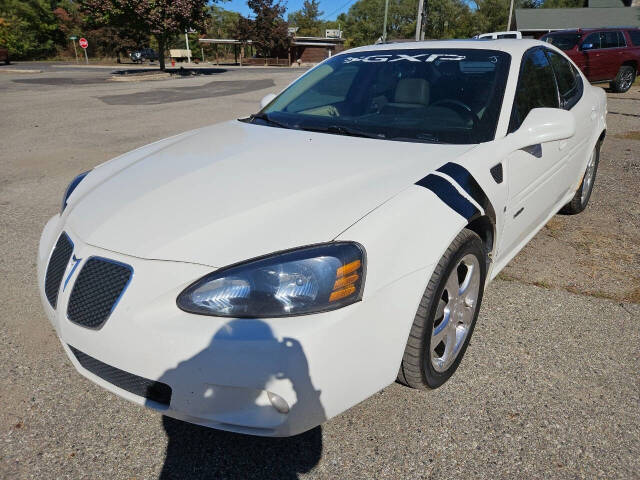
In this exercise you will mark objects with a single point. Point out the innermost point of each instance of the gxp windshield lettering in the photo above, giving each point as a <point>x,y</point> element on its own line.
<point>401,57</point>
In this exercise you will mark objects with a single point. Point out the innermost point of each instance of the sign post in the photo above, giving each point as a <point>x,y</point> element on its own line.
<point>73,38</point>
<point>84,44</point>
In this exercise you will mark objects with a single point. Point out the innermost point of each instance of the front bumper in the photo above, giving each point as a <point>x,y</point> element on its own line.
<point>221,370</point>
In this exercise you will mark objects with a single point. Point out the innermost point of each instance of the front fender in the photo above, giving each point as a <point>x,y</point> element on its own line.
<point>408,233</point>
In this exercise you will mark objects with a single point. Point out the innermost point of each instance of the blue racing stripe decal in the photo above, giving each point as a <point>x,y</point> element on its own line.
<point>469,184</point>
<point>449,195</point>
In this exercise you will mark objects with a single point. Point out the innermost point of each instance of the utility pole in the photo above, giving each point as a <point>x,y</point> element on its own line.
<point>510,12</point>
<point>186,39</point>
<point>420,20</point>
<point>384,28</point>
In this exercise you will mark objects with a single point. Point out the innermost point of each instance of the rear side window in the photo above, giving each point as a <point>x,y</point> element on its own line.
<point>536,87</point>
<point>635,37</point>
<point>568,80</point>
<point>611,40</point>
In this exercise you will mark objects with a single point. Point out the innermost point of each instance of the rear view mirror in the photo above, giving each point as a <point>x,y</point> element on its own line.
<point>266,100</point>
<point>544,125</point>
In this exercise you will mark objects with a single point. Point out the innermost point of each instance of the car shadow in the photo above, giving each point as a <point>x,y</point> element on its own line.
<point>226,382</point>
<point>196,452</point>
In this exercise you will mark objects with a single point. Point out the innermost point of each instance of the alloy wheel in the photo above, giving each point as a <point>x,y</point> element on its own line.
<point>456,311</point>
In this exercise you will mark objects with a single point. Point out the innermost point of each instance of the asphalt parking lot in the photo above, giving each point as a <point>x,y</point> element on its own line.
<point>549,387</point>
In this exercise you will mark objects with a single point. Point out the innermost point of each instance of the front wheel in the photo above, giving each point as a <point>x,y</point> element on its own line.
<point>447,314</point>
<point>625,78</point>
<point>581,198</point>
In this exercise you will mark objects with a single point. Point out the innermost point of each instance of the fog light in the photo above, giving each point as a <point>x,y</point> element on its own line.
<point>279,403</point>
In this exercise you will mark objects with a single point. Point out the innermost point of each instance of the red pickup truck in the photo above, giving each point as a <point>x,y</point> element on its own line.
<point>603,54</point>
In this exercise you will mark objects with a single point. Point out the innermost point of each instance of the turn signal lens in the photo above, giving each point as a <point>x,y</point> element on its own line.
<point>342,293</point>
<point>347,278</point>
<point>344,281</point>
<point>348,268</point>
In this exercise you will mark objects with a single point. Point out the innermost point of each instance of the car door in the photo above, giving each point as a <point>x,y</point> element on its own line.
<point>593,57</point>
<point>535,175</point>
<point>612,44</point>
<point>571,91</point>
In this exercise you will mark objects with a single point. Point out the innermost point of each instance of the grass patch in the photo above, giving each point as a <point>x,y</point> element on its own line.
<point>632,135</point>
<point>634,295</point>
<point>543,284</point>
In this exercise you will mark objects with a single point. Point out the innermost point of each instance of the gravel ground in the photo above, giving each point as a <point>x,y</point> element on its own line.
<point>544,390</point>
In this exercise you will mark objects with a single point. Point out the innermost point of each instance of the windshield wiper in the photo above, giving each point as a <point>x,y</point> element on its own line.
<point>265,118</point>
<point>347,131</point>
<point>420,138</point>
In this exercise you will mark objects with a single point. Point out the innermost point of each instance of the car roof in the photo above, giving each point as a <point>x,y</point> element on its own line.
<point>513,46</point>
<point>589,30</point>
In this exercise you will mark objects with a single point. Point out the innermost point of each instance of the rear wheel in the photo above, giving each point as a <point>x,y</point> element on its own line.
<point>446,317</point>
<point>625,78</point>
<point>581,198</point>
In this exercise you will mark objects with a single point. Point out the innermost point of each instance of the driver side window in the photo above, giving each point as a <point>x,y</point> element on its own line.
<point>536,87</point>
<point>592,39</point>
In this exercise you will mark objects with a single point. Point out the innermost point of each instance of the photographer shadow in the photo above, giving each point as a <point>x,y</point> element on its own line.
<point>197,452</point>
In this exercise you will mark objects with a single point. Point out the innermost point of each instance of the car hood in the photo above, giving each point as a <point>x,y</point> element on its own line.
<point>234,191</point>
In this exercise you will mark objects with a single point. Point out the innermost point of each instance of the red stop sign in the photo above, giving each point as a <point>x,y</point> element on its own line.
<point>83,42</point>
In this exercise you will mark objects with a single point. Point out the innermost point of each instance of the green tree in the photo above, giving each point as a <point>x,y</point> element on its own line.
<point>449,19</point>
<point>363,22</point>
<point>221,23</point>
<point>490,15</point>
<point>563,3</point>
<point>267,30</point>
<point>160,18</point>
<point>307,19</point>
<point>28,28</point>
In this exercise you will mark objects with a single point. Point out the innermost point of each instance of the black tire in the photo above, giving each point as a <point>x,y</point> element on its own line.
<point>581,198</point>
<point>625,78</point>
<point>417,370</point>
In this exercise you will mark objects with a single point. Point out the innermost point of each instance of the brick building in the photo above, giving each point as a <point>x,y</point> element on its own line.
<point>308,50</point>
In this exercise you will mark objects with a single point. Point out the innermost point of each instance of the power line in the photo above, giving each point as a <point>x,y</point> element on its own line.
<point>337,9</point>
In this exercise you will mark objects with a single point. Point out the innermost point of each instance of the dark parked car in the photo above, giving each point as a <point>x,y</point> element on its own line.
<point>603,54</point>
<point>4,55</point>
<point>139,56</point>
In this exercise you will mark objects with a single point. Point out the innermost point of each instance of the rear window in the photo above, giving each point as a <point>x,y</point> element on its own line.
<point>635,37</point>
<point>564,41</point>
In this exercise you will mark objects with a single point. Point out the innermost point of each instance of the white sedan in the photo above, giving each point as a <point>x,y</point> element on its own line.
<point>266,274</point>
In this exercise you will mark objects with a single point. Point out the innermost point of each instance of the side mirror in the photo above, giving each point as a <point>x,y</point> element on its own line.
<point>266,100</point>
<point>586,46</point>
<point>543,125</point>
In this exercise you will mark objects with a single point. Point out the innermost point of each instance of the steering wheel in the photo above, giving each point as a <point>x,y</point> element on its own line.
<point>459,107</point>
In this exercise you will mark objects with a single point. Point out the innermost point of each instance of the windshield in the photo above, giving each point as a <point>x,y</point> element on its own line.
<point>564,41</point>
<point>418,95</point>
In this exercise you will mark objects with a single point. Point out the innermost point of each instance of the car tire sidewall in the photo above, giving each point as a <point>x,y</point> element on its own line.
<point>433,378</point>
<point>585,202</point>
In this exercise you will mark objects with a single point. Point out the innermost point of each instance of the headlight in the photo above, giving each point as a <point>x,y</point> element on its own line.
<point>72,186</point>
<point>295,282</point>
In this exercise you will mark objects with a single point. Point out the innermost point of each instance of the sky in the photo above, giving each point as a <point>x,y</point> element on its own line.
<point>331,8</point>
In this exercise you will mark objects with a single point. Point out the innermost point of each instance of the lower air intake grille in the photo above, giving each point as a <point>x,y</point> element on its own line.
<point>57,265</point>
<point>143,387</point>
<point>97,290</point>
